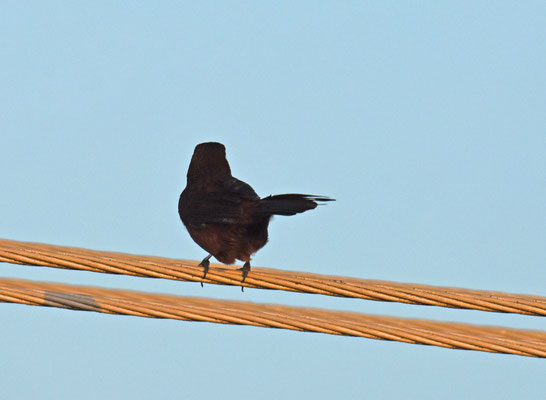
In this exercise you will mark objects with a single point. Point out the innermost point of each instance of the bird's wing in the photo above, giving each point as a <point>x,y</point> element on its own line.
<point>226,204</point>
<point>233,187</point>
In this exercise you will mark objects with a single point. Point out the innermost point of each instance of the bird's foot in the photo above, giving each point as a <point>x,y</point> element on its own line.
<point>205,264</point>
<point>245,269</point>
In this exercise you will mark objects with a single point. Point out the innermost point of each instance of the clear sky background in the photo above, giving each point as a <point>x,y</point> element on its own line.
<point>426,120</point>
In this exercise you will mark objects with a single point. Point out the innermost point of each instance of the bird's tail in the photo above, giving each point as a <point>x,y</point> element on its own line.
<point>290,204</point>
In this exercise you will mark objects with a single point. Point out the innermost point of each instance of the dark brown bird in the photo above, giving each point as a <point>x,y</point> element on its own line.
<point>224,215</point>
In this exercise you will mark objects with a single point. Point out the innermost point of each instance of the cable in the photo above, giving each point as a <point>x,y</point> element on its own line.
<point>261,278</point>
<point>449,335</point>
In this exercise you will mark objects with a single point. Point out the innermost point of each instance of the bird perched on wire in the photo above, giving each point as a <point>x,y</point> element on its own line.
<point>224,215</point>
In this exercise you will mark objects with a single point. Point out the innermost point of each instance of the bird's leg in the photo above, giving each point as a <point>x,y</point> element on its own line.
<point>245,270</point>
<point>205,264</point>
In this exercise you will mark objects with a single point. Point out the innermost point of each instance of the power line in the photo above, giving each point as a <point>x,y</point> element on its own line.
<point>261,278</point>
<point>449,335</point>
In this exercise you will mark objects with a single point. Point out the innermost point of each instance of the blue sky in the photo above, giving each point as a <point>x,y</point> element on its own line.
<point>424,120</point>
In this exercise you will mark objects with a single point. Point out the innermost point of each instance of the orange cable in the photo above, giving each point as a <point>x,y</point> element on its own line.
<point>261,278</point>
<point>443,334</point>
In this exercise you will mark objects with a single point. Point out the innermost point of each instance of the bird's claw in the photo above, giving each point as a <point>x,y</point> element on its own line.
<point>245,269</point>
<point>205,264</point>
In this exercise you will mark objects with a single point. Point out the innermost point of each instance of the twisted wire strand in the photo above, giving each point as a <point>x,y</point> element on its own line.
<point>262,278</point>
<point>112,301</point>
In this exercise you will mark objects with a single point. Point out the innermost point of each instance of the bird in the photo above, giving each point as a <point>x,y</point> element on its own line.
<point>224,215</point>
